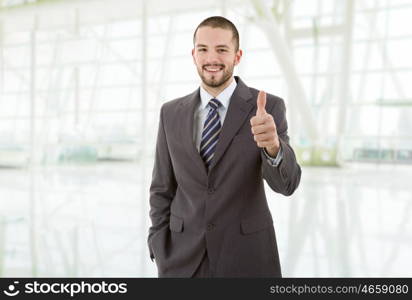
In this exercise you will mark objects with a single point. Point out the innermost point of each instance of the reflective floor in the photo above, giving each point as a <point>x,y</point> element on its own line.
<point>92,220</point>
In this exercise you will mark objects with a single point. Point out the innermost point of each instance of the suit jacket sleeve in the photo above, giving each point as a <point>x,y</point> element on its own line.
<point>163,186</point>
<point>285,177</point>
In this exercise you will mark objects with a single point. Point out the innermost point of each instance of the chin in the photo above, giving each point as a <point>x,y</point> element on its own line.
<point>215,82</point>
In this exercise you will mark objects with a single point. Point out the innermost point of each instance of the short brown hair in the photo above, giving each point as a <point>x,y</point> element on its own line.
<point>219,22</point>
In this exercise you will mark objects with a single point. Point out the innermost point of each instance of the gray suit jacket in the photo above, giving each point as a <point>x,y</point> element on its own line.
<point>223,211</point>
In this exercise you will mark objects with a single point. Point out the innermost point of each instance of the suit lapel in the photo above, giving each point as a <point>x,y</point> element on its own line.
<point>187,129</point>
<point>238,110</point>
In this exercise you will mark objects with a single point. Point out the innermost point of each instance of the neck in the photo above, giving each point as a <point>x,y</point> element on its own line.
<point>214,91</point>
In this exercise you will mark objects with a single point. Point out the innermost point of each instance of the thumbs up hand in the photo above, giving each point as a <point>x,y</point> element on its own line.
<point>264,127</point>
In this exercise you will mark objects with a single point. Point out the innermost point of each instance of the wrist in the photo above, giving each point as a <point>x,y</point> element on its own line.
<point>274,150</point>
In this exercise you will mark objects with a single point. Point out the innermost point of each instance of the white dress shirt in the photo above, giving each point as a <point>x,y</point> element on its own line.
<point>203,109</point>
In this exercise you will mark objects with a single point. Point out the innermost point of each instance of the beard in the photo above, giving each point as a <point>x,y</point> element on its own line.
<point>217,80</point>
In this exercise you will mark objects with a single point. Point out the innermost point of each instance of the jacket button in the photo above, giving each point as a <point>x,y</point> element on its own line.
<point>210,226</point>
<point>210,190</point>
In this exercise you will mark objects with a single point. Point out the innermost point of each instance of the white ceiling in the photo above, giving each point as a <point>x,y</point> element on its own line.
<point>51,14</point>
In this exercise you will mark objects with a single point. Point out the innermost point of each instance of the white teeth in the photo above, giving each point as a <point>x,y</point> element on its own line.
<point>212,70</point>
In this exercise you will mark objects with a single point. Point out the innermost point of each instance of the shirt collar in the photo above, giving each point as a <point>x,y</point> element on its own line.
<point>223,97</point>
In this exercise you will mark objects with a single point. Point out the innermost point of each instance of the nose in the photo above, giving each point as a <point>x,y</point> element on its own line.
<point>211,58</point>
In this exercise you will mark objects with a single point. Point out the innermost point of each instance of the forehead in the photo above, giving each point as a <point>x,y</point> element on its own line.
<point>214,36</point>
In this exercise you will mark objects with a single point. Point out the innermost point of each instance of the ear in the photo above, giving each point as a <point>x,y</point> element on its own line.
<point>193,55</point>
<point>238,56</point>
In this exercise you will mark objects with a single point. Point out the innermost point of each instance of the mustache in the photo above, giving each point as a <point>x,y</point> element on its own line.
<point>213,65</point>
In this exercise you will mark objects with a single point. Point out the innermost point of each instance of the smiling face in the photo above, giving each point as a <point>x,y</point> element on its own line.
<point>215,56</point>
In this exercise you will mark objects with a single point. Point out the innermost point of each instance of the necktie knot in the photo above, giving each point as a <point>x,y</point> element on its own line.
<point>214,103</point>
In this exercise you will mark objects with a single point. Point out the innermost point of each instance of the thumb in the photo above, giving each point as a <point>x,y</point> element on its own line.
<point>261,103</point>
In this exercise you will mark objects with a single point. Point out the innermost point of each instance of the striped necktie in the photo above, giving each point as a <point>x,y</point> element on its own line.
<point>210,134</point>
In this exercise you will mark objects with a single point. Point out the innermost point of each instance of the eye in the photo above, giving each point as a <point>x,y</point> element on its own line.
<point>201,49</point>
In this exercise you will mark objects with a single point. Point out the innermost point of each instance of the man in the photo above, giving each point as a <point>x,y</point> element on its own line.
<point>209,213</point>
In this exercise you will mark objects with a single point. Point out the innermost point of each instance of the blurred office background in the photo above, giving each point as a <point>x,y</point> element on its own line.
<point>81,85</point>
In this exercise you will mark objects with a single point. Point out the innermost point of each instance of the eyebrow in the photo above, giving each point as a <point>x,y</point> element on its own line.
<point>218,46</point>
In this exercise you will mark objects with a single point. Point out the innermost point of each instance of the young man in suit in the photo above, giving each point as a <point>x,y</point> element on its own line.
<point>208,208</point>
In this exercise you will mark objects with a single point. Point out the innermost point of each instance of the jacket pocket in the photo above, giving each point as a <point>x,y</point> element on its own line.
<point>256,223</point>
<point>176,223</point>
